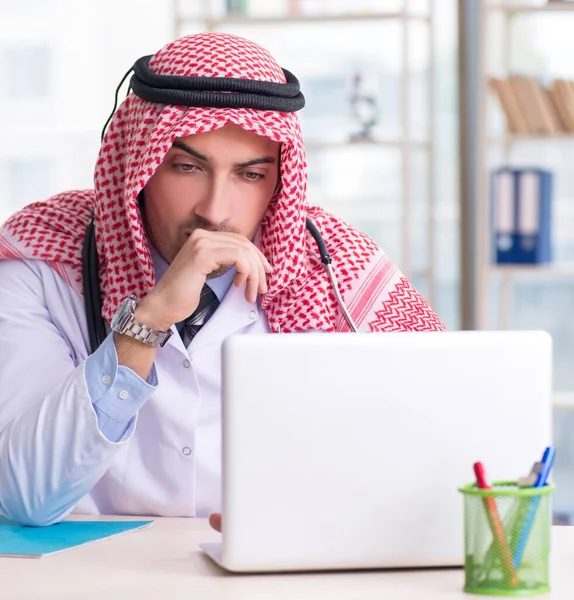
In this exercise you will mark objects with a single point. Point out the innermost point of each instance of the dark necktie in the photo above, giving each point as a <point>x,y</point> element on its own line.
<point>208,302</point>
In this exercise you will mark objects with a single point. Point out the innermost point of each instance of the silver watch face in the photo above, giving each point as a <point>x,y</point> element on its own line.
<point>123,315</point>
<point>124,322</point>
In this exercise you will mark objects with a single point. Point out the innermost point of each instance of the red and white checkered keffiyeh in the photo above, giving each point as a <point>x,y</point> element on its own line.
<point>140,134</point>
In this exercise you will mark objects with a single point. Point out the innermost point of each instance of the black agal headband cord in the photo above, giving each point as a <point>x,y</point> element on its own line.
<point>212,92</point>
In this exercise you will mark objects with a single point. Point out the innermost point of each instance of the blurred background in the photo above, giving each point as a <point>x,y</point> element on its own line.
<point>397,92</point>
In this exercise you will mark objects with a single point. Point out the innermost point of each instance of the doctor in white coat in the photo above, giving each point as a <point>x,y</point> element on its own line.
<point>199,217</point>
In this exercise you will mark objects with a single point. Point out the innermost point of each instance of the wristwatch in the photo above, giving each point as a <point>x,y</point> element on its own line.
<point>124,322</point>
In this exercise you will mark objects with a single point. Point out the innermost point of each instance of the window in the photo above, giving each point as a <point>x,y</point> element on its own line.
<point>28,180</point>
<point>26,72</point>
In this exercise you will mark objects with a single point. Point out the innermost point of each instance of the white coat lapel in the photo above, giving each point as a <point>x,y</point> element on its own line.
<point>234,313</point>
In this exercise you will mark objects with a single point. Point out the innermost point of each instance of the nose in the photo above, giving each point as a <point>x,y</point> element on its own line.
<point>215,202</point>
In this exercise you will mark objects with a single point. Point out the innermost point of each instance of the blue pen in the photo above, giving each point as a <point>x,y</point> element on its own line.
<point>546,466</point>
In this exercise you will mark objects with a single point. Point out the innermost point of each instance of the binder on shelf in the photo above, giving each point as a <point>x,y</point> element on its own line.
<point>521,201</point>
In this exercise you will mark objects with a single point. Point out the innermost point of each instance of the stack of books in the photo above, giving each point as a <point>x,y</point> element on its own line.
<point>531,108</point>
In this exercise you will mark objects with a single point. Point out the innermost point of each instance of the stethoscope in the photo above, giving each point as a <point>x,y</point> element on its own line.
<point>93,297</point>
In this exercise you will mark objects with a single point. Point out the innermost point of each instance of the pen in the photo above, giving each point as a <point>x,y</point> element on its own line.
<point>496,526</point>
<point>542,478</point>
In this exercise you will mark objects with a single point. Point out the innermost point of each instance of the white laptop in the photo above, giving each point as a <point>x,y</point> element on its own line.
<point>346,451</point>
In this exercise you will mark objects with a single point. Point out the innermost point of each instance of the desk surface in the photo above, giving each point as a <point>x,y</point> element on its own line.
<point>165,562</point>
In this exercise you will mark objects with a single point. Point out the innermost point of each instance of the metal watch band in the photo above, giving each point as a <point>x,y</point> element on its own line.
<point>150,337</point>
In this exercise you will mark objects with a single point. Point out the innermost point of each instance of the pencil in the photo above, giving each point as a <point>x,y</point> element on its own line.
<point>496,526</point>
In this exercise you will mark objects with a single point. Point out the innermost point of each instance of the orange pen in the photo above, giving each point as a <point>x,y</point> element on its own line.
<point>496,526</point>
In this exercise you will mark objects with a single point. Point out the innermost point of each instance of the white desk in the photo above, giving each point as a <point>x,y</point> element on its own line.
<point>164,562</point>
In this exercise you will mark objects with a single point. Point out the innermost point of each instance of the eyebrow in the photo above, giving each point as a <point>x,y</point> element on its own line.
<point>261,160</point>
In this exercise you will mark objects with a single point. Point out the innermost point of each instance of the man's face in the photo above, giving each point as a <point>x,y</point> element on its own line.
<point>222,180</point>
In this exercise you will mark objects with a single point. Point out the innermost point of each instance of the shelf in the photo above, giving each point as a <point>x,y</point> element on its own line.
<point>530,137</point>
<point>563,400</point>
<point>213,23</point>
<point>513,9</point>
<point>497,30</point>
<point>551,270</point>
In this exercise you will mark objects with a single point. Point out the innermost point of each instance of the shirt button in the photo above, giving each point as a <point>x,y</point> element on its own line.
<point>124,394</point>
<point>252,315</point>
<point>106,379</point>
<point>186,451</point>
<point>186,363</point>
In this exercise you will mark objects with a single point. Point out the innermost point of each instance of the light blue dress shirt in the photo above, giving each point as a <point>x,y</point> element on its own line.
<point>117,392</point>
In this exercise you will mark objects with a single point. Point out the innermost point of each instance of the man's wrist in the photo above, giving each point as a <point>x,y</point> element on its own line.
<point>147,312</point>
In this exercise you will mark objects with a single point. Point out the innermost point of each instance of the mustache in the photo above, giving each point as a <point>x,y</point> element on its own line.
<point>189,227</point>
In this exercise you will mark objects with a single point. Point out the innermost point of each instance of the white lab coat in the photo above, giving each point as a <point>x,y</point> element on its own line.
<point>52,452</point>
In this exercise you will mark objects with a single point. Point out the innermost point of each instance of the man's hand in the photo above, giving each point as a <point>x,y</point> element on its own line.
<point>215,521</point>
<point>177,294</point>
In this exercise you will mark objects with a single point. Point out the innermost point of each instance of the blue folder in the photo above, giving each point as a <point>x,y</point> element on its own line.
<point>19,541</point>
<point>521,201</point>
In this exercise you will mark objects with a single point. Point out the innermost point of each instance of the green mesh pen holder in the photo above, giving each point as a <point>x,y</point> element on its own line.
<point>515,561</point>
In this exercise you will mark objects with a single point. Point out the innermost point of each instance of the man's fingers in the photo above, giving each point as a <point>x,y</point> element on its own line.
<point>266,264</point>
<point>243,268</point>
<point>262,289</point>
<point>215,521</point>
<point>235,239</point>
<point>250,271</point>
<point>253,284</point>
<point>251,289</point>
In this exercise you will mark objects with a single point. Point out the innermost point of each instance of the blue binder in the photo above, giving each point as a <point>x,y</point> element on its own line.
<point>521,202</point>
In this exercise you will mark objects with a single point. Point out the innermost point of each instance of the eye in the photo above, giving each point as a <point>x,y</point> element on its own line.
<point>252,176</point>
<point>185,167</point>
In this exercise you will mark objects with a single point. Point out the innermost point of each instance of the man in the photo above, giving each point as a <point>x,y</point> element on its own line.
<point>199,208</point>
